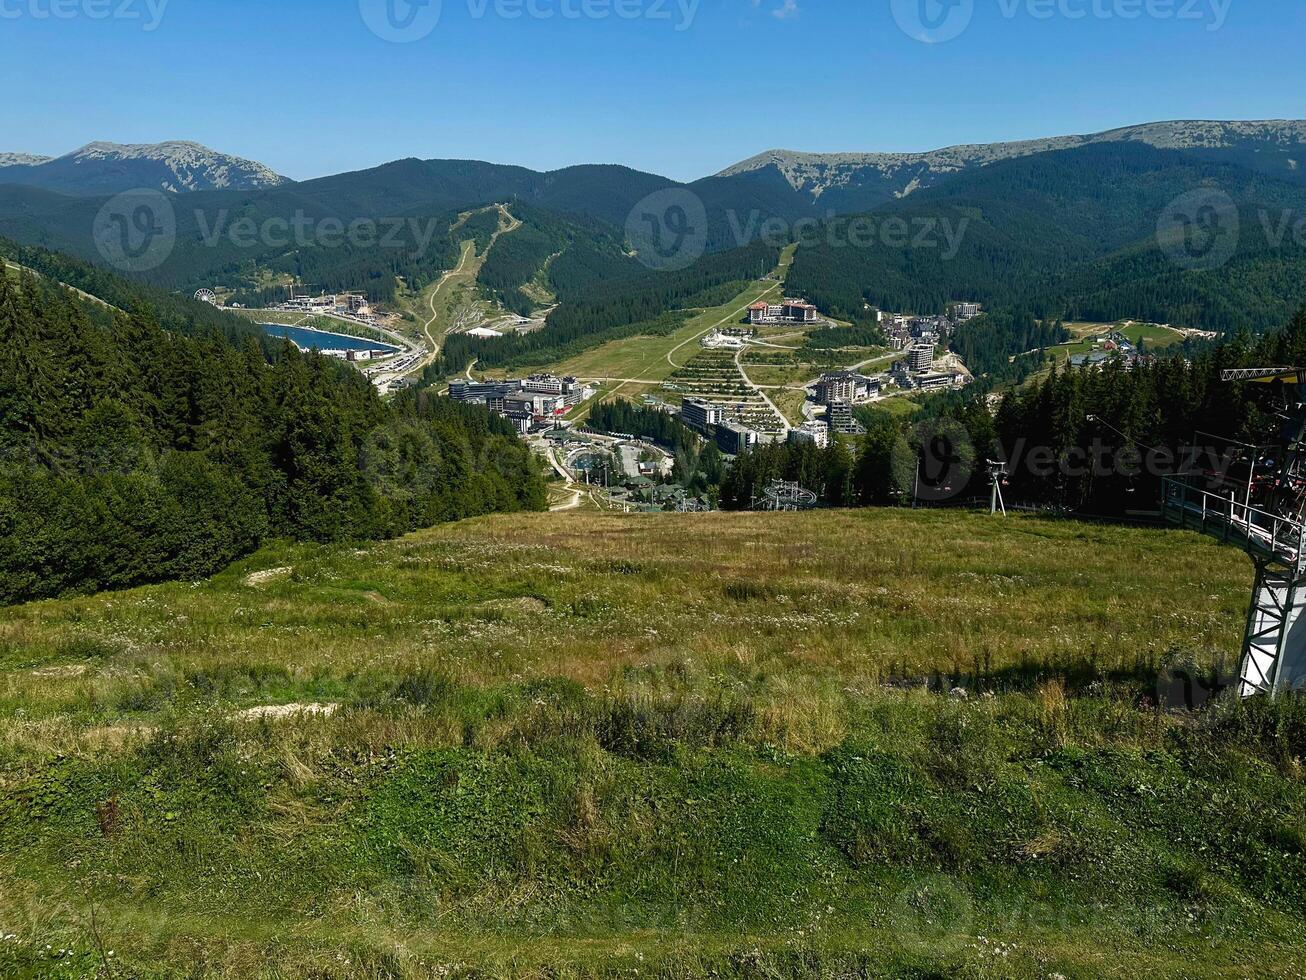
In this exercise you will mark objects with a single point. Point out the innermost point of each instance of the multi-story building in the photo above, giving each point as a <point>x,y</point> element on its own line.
<point>701,415</point>
<point>547,396</point>
<point>962,312</point>
<point>788,311</point>
<point>547,384</point>
<point>920,357</point>
<point>536,404</point>
<point>815,432</point>
<point>846,386</point>
<point>733,438</point>
<point>935,381</point>
<point>799,311</point>
<point>482,391</point>
<point>839,386</point>
<point>929,327</point>
<point>839,417</point>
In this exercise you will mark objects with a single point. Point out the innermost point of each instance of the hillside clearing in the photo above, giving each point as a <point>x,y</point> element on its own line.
<point>577,744</point>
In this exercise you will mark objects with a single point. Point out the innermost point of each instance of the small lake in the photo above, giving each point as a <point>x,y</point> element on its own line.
<point>321,340</point>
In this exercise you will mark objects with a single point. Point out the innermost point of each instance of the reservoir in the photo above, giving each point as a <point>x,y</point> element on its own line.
<point>306,337</point>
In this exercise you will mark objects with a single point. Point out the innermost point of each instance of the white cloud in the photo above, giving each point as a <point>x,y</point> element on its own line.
<point>787,10</point>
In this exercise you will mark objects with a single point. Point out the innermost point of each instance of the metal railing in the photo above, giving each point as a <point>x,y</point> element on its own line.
<point>1224,516</point>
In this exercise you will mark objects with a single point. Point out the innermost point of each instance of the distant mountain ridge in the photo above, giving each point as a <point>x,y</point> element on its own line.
<point>850,182</point>
<point>1079,233</point>
<point>22,159</point>
<point>109,168</point>
<point>1068,222</point>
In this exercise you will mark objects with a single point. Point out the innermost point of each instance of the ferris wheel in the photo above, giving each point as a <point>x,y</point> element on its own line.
<point>206,296</point>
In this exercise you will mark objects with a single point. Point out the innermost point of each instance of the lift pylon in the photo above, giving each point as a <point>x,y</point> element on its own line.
<point>1261,509</point>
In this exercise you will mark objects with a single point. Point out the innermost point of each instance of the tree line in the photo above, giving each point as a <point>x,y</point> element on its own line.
<point>130,453</point>
<point>1096,441</point>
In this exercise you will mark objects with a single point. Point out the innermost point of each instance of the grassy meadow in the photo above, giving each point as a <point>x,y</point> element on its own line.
<point>670,745</point>
<point>1155,337</point>
<point>651,359</point>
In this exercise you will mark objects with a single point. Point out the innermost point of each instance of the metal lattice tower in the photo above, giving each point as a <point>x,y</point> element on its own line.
<point>1263,512</point>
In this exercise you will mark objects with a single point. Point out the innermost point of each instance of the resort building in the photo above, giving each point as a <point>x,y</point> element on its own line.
<point>788,311</point>
<point>701,415</point>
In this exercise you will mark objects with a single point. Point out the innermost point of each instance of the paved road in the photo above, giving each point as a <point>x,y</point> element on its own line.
<point>728,318</point>
<point>739,363</point>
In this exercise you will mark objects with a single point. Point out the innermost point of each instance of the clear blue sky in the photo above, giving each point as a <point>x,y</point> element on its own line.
<point>305,87</point>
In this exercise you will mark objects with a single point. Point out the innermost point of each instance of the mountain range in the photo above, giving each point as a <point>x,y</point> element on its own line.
<point>784,181</point>
<point>852,182</point>
<point>1066,225</point>
<point>110,168</point>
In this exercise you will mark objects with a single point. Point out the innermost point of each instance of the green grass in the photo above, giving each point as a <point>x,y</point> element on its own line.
<point>650,360</point>
<point>1156,337</point>
<point>899,406</point>
<point>675,745</point>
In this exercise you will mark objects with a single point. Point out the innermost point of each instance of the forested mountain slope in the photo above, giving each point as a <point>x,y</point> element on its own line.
<point>1070,231</point>
<point>604,296</point>
<point>1073,231</point>
<point>131,454</point>
<point>853,182</point>
<point>404,210</point>
<point>174,312</point>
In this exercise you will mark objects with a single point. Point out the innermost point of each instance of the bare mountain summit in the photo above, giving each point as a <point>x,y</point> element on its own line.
<point>22,159</point>
<point>854,181</point>
<point>108,168</point>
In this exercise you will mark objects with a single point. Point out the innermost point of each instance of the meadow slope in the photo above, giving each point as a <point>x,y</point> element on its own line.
<point>674,745</point>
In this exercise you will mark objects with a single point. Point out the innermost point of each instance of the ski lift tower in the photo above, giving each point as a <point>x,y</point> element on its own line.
<point>1262,508</point>
<point>998,475</point>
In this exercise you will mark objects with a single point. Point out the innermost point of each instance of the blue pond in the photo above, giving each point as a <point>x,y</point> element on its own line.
<point>321,340</point>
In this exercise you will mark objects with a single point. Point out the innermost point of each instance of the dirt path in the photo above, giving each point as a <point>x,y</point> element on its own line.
<point>469,264</point>
<point>575,489</point>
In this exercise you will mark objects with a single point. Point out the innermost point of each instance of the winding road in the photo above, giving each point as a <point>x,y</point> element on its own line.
<point>469,256</point>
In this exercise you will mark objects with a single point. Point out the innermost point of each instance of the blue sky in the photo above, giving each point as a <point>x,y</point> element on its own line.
<point>678,87</point>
